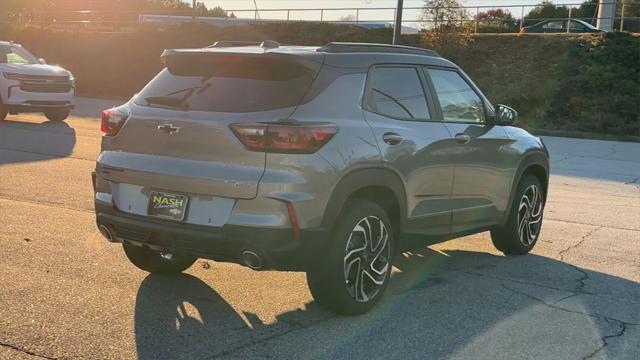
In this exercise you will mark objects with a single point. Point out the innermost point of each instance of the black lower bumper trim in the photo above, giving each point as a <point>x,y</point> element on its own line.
<point>276,247</point>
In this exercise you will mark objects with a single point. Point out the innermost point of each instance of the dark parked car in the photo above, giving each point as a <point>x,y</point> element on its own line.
<point>328,160</point>
<point>560,26</point>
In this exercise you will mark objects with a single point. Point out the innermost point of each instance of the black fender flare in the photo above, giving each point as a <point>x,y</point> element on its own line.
<point>532,158</point>
<point>360,179</point>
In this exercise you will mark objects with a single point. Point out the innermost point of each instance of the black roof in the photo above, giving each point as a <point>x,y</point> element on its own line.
<point>348,47</point>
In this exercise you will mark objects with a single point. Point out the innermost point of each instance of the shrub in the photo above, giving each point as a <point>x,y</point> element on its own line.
<point>599,90</point>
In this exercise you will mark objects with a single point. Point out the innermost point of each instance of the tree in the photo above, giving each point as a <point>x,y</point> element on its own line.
<point>202,10</point>
<point>495,20</point>
<point>446,24</point>
<point>586,11</point>
<point>546,10</point>
<point>496,17</point>
<point>441,14</point>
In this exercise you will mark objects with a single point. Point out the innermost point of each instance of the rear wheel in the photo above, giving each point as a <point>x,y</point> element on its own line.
<point>521,231</point>
<point>57,115</point>
<point>357,268</point>
<point>3,112</point>
<point>156,261</point>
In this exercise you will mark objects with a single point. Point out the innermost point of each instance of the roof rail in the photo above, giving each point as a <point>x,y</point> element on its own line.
<point>267,44</point>
<point>346,47</point>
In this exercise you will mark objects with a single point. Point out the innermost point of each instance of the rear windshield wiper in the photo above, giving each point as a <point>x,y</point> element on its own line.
<point>167,101</point>
<point>178,103</point>
<point>191,90</point>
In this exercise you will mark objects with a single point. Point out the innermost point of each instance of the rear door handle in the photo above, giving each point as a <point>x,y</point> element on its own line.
<point>463,138</point>
<point>392,138</point>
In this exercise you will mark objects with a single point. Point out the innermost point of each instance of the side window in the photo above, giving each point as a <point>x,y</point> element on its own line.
<point>396,92</point>
<point>9,55</point>
<point>574,25</point>
<point>459,102</point>
<point>15,58</point>
<point>554,25</point>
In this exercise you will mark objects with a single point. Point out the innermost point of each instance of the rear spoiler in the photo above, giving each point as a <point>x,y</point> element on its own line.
<point>266,44</point>
<point>247,50</point>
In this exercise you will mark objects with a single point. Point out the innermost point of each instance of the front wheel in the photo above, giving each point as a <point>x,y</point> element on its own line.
<point>522,229</point>
<point>357,268</point>
<point>57,115</point>
<point>156,261</point>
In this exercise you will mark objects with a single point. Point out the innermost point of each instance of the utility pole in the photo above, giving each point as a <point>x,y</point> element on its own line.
<point>606,14</point>
<point>194,10</point>
<point>397,27</point>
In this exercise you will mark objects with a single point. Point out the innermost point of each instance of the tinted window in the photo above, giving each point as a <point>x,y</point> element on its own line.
<point>554,25</point>
<point>227,84</point>
<point>574,25</point>
<point>15,55</point>
<point>397,92</point>
<point>457,99</point>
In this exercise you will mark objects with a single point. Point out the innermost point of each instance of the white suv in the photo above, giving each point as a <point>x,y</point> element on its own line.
<point>28,84</point>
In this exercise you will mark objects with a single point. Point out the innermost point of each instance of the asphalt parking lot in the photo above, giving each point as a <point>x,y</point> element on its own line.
<point>67,293</point>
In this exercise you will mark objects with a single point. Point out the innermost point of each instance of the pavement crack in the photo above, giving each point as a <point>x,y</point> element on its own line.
<point>579,289</point>
<point>556,307</point>
<point>501,278</point>
<point>25,351</point>
<point>295,326</point>
<point>604,340</point>
<point>582,240</point>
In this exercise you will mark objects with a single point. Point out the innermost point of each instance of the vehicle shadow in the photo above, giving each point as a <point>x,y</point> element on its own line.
<point>458,304</point>
<point>24,141</point>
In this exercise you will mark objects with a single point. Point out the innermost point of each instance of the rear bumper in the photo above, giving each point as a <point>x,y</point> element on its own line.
<point>37,107</point>
<point>276,247</point>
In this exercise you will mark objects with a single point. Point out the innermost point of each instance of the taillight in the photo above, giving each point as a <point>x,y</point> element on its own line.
<point>523,30</point>
<point>284,137</point>
<point>112,122</point>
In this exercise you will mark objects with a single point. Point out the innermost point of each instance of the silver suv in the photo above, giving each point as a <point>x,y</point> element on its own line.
<point>326,160</point>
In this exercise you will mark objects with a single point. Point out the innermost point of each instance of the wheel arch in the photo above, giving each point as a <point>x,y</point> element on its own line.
<point>535,163</point>
<point>381,185</point>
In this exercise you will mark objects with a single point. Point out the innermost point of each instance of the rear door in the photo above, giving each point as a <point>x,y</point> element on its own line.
<point>484,162</point>
<point>411,143</point>
<point>177,136</point>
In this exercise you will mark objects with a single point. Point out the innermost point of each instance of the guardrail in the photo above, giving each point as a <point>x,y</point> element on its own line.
<point>115,20</point>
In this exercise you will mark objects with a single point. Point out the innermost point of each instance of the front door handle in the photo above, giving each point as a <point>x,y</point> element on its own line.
<point>392,138</point>
<point>463,138</point>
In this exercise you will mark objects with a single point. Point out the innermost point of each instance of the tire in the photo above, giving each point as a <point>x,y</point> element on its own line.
<point>57,115</point>
<point>527,210</point>
<point>156,262</point>
<point>3,112</point>
<point>339,283</point>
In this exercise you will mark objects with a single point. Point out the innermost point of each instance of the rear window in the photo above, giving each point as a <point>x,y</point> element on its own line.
<point>223,83</point>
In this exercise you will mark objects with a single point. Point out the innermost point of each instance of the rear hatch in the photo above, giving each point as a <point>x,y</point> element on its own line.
<point>177,135</point>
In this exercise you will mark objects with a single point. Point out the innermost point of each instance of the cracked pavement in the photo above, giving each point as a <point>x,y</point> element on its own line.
<point>66,293</point>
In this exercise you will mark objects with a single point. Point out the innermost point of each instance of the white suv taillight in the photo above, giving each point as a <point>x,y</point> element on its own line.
<point>112,122</point>
<point>284,137</point>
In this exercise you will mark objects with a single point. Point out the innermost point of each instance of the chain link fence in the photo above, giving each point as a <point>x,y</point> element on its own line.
<point>483,19</point>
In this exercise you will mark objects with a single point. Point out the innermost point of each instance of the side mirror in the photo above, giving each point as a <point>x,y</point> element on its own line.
<point>42,61</point>
<point>504,115</point>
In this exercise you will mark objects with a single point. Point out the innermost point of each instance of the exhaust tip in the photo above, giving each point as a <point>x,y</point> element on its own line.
<point>106,232</point>
<point>252,260</point>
